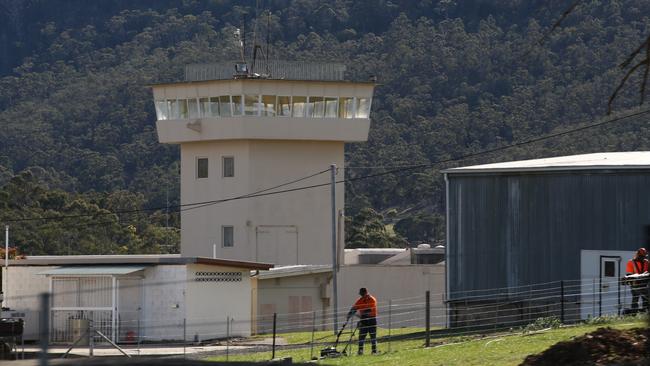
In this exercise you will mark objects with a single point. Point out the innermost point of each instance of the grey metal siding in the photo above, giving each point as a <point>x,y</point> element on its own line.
<point>514,229</point>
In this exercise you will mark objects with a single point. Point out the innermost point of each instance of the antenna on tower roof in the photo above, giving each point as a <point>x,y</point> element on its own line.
<point>268,41</point>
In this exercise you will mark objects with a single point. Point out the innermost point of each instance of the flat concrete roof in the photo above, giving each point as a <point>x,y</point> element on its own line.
<point>297,270</point>
<point>60,260</point>
<point>596,161</point>
<point>179,83</point>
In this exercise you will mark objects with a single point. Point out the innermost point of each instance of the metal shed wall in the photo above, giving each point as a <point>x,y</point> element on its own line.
<point>517,229</point>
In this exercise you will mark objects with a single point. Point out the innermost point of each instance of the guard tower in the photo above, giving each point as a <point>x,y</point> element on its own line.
<point>242,133</point>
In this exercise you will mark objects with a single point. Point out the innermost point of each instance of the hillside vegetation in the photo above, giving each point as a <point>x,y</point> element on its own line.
<point>77,118</point>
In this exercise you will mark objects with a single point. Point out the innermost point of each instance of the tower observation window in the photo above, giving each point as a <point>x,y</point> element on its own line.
<point>251,103</point>
<point>204,107</point>
<point>316,107</point>
<point>268,105</point>
<point>236,105</point>
<point>331,107</point>
<point>346,107</point>
<point>298,106</point>
<point>182,108</point>
<point>161,109</point>
<point>225,109</point>
<point>264,105</point>
<point>284,106</point>
<point>193,108</point>
<point>363,108</point>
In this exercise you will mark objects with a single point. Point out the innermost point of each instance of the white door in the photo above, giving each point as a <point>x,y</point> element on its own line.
<point>277,244</point>
<point>610,286</point>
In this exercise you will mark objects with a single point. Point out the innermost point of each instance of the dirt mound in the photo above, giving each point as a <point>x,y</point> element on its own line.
<point>605,346</point>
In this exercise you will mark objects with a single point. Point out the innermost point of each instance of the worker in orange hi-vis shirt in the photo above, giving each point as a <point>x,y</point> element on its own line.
<point>366,305</point>
<point>637,266</point>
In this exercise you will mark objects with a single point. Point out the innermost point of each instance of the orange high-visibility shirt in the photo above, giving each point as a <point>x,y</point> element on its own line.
<point>364,303</point>
<point>637,267</point>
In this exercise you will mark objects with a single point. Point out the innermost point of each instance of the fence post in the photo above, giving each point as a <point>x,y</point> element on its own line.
<point>184,337</point>
<point>313,329</point>
<point>139,335</point>
<point>390,320</point>
<point>593,298</point>
<point>428,318</point>
<point>275,318</point>
<point>562,301</point>
<point>91,337</point>
<point>45,327</point>
<point>227,337</point>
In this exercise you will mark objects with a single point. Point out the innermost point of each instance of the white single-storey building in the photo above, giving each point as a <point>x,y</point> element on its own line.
<point>133,298</point>
<point>302,295</point>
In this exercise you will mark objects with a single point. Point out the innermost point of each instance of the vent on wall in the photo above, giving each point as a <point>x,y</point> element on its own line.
<point>217,276</point>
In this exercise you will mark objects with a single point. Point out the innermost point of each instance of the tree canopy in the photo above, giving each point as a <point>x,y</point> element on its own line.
<point>457,77</point>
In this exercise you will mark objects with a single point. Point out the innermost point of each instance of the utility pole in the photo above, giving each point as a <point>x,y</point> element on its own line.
<point>335,297</point>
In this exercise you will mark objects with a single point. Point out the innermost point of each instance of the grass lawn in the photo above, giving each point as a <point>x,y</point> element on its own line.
<point>500,349</point>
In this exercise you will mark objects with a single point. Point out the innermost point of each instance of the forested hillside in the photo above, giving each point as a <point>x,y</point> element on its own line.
<point>77,132</point>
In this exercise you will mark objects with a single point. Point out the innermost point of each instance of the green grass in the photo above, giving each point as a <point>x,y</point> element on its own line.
<point>497,349</point>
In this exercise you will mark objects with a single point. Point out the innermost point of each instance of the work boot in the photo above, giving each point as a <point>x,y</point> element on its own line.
<point>360,352</point>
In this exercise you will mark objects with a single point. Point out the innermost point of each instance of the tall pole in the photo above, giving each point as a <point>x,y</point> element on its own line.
<point>334,264</point>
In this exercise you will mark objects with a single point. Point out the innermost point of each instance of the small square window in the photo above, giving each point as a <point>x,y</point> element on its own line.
<point>610,269</point>
<point>202,167</point>
<point>227,236</point>
<point>228,166</point>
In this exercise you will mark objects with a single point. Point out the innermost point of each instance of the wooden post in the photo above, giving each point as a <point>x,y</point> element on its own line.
<point>275,318</point>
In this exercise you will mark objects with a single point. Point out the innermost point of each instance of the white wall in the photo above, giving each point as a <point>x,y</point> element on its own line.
<point>208,304</point>
<point>22,294</point>
<point>258,166</point>
<point>595,300</point>
<point>405,285</point>
<point>163,304</point>
<point>293,298</point>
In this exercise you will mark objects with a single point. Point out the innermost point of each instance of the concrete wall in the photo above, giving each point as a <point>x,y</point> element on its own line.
<point>209,303</point>
<point>293,299</point>
<point>405,285</point>
<point>21,294</point>
<point>288,228</point>
<point>163,303</point>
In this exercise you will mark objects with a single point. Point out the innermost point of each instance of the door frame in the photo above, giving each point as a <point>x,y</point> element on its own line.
<point>600,282</point>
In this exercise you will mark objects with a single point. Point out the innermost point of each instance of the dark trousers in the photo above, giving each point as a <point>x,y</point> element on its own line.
<point>368,326</point>
<point>640,292</point>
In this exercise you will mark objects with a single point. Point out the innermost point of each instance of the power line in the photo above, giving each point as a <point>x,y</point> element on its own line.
<point>199,204</point>
<point>265,192</point>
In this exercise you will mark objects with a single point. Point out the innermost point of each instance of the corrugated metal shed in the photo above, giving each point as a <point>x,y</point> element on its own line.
<point>523,223</point>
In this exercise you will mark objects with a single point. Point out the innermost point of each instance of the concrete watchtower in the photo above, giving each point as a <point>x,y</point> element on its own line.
<point>245,133</point>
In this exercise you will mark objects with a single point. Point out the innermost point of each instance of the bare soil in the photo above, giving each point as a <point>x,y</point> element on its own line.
<point>604,346</point>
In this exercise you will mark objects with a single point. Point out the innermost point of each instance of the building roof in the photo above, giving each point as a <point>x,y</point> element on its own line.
<point>597,161</point>
<point>92,270</point>
<point>151,259</point>
<point>297,270</point>
<point>297,70</point>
